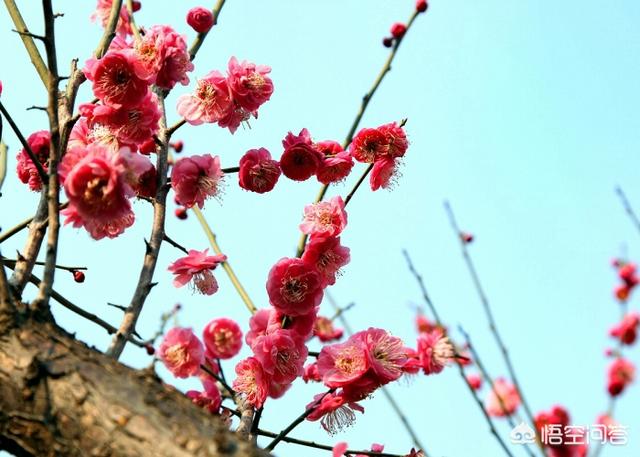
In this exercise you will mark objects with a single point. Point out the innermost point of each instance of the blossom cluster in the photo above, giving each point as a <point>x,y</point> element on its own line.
<point>295,287</point>
<point>228,100</point>
<point>627,273</point>
<point>185,355</point>
<point>558,417</point>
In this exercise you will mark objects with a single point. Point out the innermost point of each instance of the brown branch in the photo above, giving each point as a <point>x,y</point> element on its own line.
<point>43,174</point>
<point>3,158</point>
<point>58,396</point>
<point>171,130</point>
<point>4,236</point>
<point>145,280</point>
<point>30,46</point>
<point>37,228</point>
<point>324,447</point>
<point>386,68</point>
<point>487,377</point>
<point>488,312</point>
<point>41,303</point>
<point>7,306</point>
<point>280,436</point>
<point>175,244</point>
<point>628,208</point>
<point>59,267</point>
<point>75,308</point>
<point>472,391</point>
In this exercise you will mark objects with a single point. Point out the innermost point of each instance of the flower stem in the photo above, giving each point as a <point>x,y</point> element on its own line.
<point>226,265</point>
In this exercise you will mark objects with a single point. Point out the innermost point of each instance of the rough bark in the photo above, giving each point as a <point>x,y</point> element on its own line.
<point>59,397</point>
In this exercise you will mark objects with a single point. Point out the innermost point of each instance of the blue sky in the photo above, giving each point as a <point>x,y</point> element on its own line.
<point>522,114</point>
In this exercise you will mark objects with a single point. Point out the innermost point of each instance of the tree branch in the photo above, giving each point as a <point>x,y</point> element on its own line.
<point>58,394</point>
<point>109,30</point>
<point>225,265</point>
<point>32,50</point>
<point>386,68</point>
<point>127,327</point>
<point>324,447</point>
<point>487,309</point>
<point>197,43</point>
<point>296,422</point>
<point>41,303</point>
<point>472,391</point>
<point>43,174</point>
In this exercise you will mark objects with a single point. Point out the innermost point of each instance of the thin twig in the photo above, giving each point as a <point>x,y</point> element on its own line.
<point>30,46</point>
<point>79,311</point>
<point>439,322</point>
<point>175,244</point>
<point>386,68</point>
<point>325,447</point>
<point>485,374</point>
<point>59,267</point>
<point>109,30</point>
<point>195,46</point>
<point>132,21</point>
<point>489,314</point>
<point>226,265</point>
<point>279,437</point>
<point>171,130</point>
<point>41,172</point>
<point>628,208</point>
<point>4,236</point>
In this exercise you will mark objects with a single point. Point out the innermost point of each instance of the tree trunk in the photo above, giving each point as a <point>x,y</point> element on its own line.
<point>59,397</point>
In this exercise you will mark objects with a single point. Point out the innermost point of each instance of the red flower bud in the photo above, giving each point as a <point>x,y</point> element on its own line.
<point>200,19</point>
<point>181,213</point>
<point>150,349</point>
<point>78,276</point>
<point>136,6</point>
<point>177,146</point>
<point>398,30</point>
<point>387,42</point>
<point>421,6</point>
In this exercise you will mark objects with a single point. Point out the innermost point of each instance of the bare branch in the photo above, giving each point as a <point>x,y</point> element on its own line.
<point>41,302</point>
<point>145,283</point>
<point>32,50</point>
<point>43,174</point>
<point>628,208</point>
<point>386,68</point>
<point>325,447</point>
<point>296,422</point>
<point>109,30</point>
<point>488,312</point>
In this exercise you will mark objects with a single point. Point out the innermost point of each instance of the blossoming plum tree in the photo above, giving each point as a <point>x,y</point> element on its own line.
<point>116,147</point>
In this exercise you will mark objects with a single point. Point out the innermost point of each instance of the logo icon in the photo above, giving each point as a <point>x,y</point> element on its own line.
<point>522,434</point>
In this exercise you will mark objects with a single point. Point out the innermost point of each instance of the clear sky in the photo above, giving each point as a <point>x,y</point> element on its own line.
<point>523,114</point>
